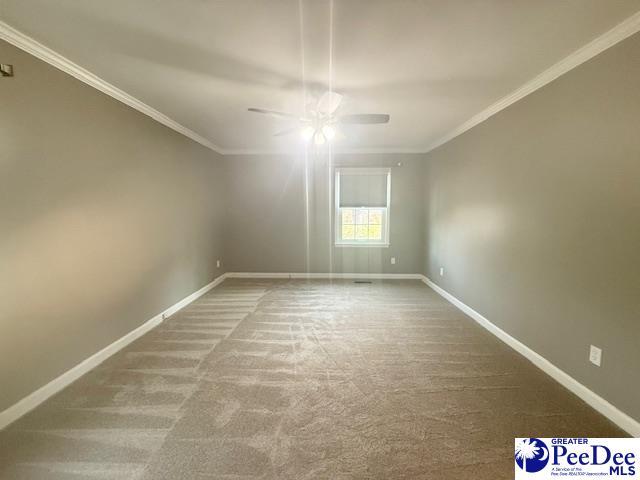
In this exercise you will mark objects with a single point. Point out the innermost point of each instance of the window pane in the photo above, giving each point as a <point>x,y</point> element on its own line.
<point>361,232</point>
<point>375,216</point>
<point>348,232</point>
<point>362,216</point>
<point>375,232</point>
<point>348,216</point>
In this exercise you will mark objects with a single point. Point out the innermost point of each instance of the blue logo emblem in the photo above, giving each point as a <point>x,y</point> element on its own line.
<point>532,455</point>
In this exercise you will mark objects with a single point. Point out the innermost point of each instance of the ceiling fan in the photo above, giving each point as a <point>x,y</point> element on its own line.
<point>321,121</point>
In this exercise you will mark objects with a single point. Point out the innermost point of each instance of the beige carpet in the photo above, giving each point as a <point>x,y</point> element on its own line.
<point>300,380</point>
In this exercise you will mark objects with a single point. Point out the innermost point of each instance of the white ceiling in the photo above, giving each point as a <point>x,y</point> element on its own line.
<point>430,64</point>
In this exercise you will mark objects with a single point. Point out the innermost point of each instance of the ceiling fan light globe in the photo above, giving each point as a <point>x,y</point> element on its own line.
<point>306,133</point>
<point>329,132</point>
<point>319,139</point>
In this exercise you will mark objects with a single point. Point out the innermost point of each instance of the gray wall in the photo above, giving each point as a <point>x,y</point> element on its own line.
<point>106,219</point>
<point>267,228</point>
<point>535,216</point>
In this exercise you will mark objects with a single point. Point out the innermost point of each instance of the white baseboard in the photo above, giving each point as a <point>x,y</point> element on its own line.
<point>617,416</point>
<point>28,403</point>
<point>256,275</point>
<point>370,276</point>
<point>194,296</point>
<point>31,401</point>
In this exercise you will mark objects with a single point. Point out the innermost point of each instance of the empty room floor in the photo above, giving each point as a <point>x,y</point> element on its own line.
<point>294,379</point>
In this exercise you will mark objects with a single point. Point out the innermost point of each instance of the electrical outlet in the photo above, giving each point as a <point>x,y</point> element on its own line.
<point>393,260</point>
<point>442,271</point>
<point>595,355</point>
<point>218,263</point>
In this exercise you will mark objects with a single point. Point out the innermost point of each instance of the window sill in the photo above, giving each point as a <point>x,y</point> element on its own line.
<point>360,245</point>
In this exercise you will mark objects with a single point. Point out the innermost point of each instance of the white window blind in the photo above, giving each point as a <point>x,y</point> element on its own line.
<point>362,197</point>
<point>363,189</point>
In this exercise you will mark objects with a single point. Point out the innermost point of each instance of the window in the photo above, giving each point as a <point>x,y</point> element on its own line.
<point>362,197</point>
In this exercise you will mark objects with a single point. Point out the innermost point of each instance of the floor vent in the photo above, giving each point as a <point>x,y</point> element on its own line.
<point>362,281</point>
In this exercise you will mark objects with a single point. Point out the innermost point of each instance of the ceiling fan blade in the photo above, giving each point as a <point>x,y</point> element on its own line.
<point>274,113</point>
<point>286,132</point>
<point>329,103</point>
<point>364,118</point>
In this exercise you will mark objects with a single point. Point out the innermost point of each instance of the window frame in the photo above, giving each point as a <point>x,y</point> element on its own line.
<point>338,241</point>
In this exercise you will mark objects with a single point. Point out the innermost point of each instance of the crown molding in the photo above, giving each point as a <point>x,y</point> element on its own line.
<point>334,151</point>
<point>618,33</point>
<point>610,38</point>
<point>35,48</point>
